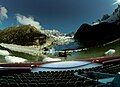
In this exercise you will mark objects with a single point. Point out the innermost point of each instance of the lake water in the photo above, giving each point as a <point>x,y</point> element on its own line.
<point>71,45</point>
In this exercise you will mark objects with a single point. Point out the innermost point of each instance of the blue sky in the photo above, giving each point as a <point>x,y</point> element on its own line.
<point>63,15</point>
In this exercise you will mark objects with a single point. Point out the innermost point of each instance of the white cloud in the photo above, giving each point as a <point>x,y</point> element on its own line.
<point>3,13</point>
<point>28,20</point>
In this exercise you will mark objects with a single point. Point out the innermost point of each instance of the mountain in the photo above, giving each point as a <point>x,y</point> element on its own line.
<point>99,33</point>
<point>115,16</point>
<point>26,35</point>
<point>71,34</point>
<point>22,35</point>
<point>57,37</point>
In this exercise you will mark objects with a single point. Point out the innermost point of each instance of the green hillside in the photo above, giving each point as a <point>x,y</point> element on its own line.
<point>99,51</point>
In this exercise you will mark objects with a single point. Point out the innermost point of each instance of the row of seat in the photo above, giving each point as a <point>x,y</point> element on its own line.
<point>111,69</point>
<point>41,80</point>
<point>56,78</point>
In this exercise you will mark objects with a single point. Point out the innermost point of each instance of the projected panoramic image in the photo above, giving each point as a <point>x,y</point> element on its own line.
<point>59,43</point>
<point>51,30</point>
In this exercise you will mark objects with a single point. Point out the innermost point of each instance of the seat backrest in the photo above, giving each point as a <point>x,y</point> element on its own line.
<point>116,81</point>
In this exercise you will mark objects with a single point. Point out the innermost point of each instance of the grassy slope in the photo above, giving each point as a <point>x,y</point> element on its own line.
<point>99,51</point>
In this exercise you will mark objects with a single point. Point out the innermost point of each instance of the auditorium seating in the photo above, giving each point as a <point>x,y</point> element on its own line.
<point>110,68</point>
<point>83,78</point>
<point>88,77</point>
<point>115,82</point>
<point>46,79</point>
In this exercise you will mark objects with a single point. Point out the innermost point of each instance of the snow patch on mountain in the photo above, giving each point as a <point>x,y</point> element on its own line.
<point>13,59</point>
<point>4,52</point>
<point>115,16</point>
<point>58,38</point>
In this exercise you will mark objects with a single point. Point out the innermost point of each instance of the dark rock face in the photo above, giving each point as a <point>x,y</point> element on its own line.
<point>93,35</point>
